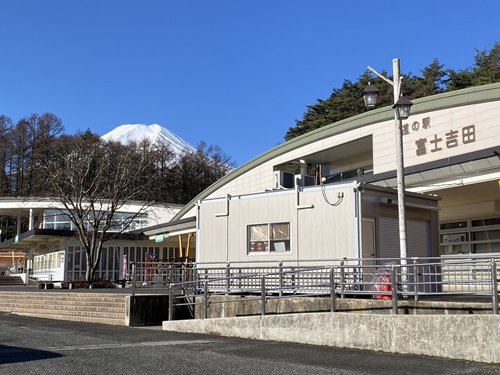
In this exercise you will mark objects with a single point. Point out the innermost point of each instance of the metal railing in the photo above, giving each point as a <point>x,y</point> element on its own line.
<point>159,274</point>
<point>191,284</point>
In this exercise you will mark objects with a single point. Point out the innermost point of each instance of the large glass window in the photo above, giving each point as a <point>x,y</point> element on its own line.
<point>54,219</point>
<point>266,238</point>
<point>59,220</point>
<point>471,236</point>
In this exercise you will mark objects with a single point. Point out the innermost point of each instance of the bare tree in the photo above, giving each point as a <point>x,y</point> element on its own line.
<point>5,150</point>
<point>43,130</point>
<point>196,171</point>
<point>29,141</point>
<point>18,151</point>
<point>93,180</point>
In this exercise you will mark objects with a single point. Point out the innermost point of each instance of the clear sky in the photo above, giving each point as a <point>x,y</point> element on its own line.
<point>232,73</point>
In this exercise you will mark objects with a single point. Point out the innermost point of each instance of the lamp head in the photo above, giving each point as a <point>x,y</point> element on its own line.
<point>402,108</point>
<point>370,94</point>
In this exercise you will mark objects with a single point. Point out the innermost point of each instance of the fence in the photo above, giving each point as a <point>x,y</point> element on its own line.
<point>389,279</point>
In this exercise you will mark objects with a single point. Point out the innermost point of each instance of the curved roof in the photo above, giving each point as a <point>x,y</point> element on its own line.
<point>452,99</point>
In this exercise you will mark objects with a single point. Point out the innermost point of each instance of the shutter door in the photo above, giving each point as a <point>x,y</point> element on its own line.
<point>389,237</point>
<point>417,238</point>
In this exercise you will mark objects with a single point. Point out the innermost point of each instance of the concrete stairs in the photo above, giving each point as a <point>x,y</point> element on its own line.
<point>104,308</point>
<point>11,280</point>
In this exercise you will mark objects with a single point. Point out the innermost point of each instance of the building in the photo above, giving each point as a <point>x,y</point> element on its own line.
<point>315,223</point>
<point>451,150</point>
<point>38,234</point>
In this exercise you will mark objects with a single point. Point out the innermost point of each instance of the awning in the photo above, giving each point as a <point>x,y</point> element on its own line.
<point>35,237</point>
<point>171,228</point>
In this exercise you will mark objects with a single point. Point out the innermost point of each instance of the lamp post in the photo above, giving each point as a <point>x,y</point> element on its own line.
<point>401,112</point>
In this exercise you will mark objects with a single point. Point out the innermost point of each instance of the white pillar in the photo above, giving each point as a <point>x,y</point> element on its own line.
<point>400,171</point>
<point>18,224</point>
<point>31,220</point>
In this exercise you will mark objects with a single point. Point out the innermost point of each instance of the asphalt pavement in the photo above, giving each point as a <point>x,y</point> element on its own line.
<point>43,346</point>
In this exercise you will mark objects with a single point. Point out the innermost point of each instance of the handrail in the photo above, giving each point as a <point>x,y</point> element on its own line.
<point>380,278</point>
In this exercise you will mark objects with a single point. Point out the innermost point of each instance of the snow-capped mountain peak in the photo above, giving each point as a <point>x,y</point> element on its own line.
<point>138,132</point>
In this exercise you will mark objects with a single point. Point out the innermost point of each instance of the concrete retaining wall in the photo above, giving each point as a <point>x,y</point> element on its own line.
<point>467,337</point>
<point>238,306</point>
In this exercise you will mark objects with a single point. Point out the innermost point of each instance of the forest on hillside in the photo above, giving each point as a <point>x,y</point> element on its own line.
<point>35,155</point>
<point>347,101</point>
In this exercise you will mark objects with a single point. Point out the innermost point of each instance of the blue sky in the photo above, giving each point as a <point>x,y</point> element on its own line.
<point>232,73</point>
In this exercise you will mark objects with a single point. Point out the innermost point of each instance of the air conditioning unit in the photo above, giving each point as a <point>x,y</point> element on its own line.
<point>309,181</point>
<point>305,180</point>
<point>283,180</point>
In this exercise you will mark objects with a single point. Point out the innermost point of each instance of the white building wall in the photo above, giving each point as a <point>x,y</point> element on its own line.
<point>324,224</point>
<point>320,232</point>
<point>213,231</point>
<point>433,126</point>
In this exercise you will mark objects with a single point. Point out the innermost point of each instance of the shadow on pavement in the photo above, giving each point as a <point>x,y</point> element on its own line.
<point>13,354</point>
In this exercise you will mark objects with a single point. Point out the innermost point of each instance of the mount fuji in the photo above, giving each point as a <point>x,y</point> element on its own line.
<point>138,132</point>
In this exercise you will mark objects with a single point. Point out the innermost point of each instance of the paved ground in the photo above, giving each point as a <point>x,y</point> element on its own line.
<point>42,346</point>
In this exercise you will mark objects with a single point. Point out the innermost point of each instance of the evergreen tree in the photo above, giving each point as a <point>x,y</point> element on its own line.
<point>342,103</point>
<point>459,79</point>
<point>433,80</point>
<point>486,69</point>
<point>487,66</point>
<point>347,101</point>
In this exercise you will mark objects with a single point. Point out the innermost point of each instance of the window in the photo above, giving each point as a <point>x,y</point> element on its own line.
<point>471,236</point>
<point>55,219</point>
<point>269,238</point>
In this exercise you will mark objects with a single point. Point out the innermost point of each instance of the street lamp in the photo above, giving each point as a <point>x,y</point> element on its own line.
<point>401,112</point>
<point>402,108</point>
<point>370,94</point>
